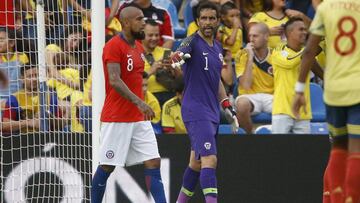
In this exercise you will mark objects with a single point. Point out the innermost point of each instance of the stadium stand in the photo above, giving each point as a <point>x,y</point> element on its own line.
<point>188,14</point>
<point>262,118</point>
<point>263,130</point>
<point>226,130</point>
<point>319,128</point>
<point>259,118</point>
<point>317,103</point>
<point>316,129</point>
<point>179,31</point>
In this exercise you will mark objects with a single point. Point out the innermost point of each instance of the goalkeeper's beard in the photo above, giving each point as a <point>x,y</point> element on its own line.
<point>138,35</point>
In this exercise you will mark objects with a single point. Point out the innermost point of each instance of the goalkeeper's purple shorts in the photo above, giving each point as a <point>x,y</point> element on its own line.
<point>203,136</point>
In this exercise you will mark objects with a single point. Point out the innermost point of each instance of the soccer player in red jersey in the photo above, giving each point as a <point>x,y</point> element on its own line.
<point>127,137</point>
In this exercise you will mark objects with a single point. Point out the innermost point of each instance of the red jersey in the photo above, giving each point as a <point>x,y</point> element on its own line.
<point>131,59</point>
<point>7,13</point>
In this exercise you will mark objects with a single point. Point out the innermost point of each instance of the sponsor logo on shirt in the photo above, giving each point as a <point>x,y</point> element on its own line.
<point>284,53</point>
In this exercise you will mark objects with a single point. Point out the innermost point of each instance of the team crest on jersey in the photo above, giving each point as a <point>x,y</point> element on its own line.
<point>110,154</point>
<point>207,145</point>
<point>221,57</point>
<point>284,53</point>
<point>154,16</point>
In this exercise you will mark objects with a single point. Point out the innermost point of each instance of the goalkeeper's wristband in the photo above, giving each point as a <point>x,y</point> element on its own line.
<point>299,87</point>
<point>225,103</point>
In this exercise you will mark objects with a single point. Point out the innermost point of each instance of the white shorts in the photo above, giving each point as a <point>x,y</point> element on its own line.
<point>284,124</point>
<point>126,144</point>
<point>262,102</point>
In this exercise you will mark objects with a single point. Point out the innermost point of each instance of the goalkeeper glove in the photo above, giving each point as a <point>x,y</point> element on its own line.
<point>178,59</point>
<point>230,114</point>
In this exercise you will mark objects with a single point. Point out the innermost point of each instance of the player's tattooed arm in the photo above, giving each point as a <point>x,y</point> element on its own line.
<point>114,72</point>
<point>118,84</point>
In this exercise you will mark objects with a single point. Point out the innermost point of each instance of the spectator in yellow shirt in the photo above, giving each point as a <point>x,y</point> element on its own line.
<point>249,7</point>
<point>171,120</point>
<point>10,61</point>
<point>64,61</point>
<point>192,28</point>
<point>151,100</point>
<point>154,61</point>
<point>21,112</point>
<point>255,74</point>
<point>230,32</point>
<point>286,61</point>
<point>274,17</point>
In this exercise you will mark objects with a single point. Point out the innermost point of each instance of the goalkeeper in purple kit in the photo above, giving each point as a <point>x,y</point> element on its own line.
<point>200,56</point>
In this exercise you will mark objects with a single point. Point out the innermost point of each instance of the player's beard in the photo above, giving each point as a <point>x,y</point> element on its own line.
<point>208,33</point>
<point>138,35</point>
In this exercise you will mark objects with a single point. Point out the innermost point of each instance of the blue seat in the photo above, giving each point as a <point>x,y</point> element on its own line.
<point>179,31</point>
<point>319,128</point>
<point>226,129</point>
<point>317,103</point>
<point>262,118</point>
<point>157,128</point>
<point>259,118</point>
<point>188,14</point>
<point>263,130</point>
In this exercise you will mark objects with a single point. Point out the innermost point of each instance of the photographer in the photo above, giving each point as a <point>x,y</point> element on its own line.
<point>157,64</point>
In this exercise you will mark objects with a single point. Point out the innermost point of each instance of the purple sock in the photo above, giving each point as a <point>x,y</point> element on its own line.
<point>209,184</point>
<point>190,180</point>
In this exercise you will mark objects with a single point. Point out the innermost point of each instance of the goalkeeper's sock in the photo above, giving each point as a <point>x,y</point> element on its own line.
<point>154,184</point>
<point>337,169</point>
<point>352,180</point>
<point>190,180</point>
<point>208,184</point>
<point>98,185</point>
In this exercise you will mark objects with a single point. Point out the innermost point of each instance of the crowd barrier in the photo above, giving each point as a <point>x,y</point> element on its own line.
<point>251,169</point>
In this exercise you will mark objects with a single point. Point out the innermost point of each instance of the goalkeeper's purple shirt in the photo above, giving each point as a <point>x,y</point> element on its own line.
<point>202,74</point>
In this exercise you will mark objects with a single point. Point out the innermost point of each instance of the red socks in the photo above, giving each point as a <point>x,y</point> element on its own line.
<point>326,187</point>
<point>352,181</point>
<point>335,171</point>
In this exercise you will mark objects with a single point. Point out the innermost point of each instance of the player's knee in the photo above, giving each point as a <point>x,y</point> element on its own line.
<point>195,165</point>
<point>152,163</point>
<point>107,168</point>
<point>243,106</point>
<point>209,161</point>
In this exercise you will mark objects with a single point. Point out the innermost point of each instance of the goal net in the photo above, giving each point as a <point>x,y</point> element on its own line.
<point>45,98</point>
